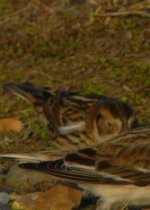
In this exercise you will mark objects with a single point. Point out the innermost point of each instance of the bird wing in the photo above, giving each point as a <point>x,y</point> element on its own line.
<point>127,156</point>
<point>75,173</point>
<point>112,162</point>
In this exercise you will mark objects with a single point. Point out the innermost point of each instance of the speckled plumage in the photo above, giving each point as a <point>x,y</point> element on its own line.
<point>117,170</point>
<point>79,119</point>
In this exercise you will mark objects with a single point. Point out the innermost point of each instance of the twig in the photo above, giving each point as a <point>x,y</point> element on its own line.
<point>123,13</point>
<point>29,129</point>
<point>140,5</point>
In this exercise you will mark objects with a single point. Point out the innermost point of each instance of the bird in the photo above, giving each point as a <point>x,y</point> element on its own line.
<point>37,97</point>
<point>78,118</point>
<point>116,170</point>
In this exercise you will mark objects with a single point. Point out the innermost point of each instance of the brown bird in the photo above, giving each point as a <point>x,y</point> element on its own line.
<point>116,170</point>
<point>79,118</point>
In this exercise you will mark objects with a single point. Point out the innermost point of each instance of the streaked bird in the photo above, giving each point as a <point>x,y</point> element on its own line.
<point>37,97</point>
<point>79,118</point>
<point>116,170</point>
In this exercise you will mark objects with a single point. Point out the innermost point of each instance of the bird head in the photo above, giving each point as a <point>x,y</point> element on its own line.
<point>109,118</point>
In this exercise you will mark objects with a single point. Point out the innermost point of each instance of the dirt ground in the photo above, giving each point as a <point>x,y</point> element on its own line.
<point>93,46</point>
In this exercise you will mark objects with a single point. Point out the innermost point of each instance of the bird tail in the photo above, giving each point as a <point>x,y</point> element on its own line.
<point>29,92</point>
<point>38,97</point>
<point>32,157</point>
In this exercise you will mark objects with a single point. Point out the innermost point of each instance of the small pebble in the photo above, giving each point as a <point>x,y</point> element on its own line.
<point>4,198</point>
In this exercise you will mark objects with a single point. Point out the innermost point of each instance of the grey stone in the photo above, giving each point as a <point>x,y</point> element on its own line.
<point>21,180</point>
<point>5,207</point>
<point>4,198</point>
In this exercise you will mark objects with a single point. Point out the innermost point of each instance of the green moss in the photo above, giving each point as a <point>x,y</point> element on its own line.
<point>5,6</point>
<point>102,60</point>
<point>115,22</point>
<point>131,23</point>
<point>124,99</point>
<point>68,15</point>
<point>93,86</point>
<point>115,62</point>
<point>2,77</point>
<point>40,130</point>
<point>18,77</point>
<point>3,108</point>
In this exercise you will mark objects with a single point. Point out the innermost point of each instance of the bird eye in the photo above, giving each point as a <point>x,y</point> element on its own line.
<point>109,123</point>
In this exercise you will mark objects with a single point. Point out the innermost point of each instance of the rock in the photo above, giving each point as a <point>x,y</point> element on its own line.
<point>24,180</point>
<point>24,202</point>
<point>9,124</point>
<point>4,198</point>
<point>5,207</point>
<point>59,197</point>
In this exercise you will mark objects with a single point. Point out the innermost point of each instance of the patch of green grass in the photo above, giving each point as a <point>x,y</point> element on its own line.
<point>3,108</point>
<point>102,60</point>
<point>5,7</point>
<point>140,75</point>
<point>18,77</point>
<point>93,86</point>
<point>115,62</point>
<point>131,23</point>
<point>2,75</point>
<point>68,16</point>
<point>38,128</point>
<point>115,22</point>
<point>124,99</point>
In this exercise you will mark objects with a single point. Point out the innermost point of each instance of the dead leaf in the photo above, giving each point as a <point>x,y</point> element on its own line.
<point>10,124</point>
<point>59,197</point>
